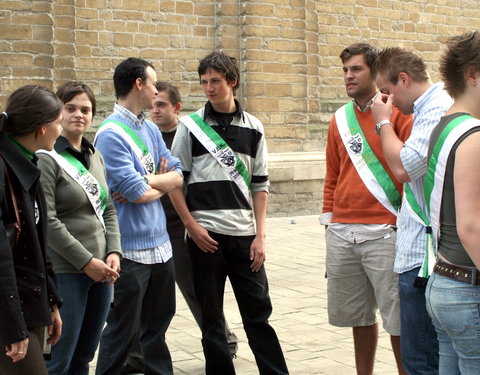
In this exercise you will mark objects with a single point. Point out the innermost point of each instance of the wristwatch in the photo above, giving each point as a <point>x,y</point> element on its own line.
<point>379,125</point>
<point>145,179</point>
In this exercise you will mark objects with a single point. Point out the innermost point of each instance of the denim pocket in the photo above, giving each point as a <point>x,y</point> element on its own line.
<point>455,305</point>
<point>459,318</point>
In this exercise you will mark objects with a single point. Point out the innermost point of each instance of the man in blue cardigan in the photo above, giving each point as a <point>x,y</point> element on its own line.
<point>134,152</point>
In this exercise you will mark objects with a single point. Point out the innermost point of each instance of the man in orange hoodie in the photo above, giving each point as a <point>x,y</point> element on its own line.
<point>361,200</point>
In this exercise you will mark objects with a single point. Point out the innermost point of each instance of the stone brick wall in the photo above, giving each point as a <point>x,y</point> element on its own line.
<point>287,49</point>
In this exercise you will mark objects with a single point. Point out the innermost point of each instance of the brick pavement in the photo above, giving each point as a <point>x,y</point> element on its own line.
<point>295,268</point>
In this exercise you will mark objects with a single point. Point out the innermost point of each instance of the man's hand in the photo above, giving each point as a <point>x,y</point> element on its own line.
<point>100,272</point>
<point>163,166</point>
<point>257,253</point>
<point>382,107</point>
<point>55,330</point>
<point>17,351</point>
<point>201,237</point>
<point>117,197</point>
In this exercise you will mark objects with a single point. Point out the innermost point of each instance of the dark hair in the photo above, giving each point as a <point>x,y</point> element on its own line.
<point>221,63</point>
<point>369,52</point>
<point>394,60</point>
<point>462,57</point>
<point>172,91</point>
<point>127,72</point>
<point>69,90</point>
<point>29,108</point>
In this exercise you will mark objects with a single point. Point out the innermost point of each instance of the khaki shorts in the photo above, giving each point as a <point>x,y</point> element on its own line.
<point>360,281</point>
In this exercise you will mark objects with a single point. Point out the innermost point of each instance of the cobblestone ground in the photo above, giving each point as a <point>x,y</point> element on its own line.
<point>295,268</point>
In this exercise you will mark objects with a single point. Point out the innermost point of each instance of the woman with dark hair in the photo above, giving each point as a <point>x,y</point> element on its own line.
<point>28,298</point>
<point>83,235</point>
<point>452,195</point>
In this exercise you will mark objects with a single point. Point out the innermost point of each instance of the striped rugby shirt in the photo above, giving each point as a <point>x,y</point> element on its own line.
<point>214,200</point>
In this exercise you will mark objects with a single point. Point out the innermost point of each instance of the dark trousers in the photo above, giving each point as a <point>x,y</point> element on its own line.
<point>33,363</point>
<point>144,301</point>
<point>184,279</point>
<point>251,292</point>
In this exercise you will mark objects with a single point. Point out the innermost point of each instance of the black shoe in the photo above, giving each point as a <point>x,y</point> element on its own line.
<point>232,341</point>
<point>129,369</point>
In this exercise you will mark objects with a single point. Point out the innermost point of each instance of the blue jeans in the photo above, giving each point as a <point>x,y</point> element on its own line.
<point>454,308</point>
<point>84,310</point>
<point>418,339</point>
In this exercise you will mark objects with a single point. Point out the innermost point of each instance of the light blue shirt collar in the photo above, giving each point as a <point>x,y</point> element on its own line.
<point>426,97</point>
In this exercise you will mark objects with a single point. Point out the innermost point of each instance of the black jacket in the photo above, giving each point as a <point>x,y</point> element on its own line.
<point>27,281</point>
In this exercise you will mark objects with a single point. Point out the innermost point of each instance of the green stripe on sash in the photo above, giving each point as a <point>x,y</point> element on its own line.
<point>371,160</point>
<point>428,187</point>
<point>136,139</point>
<point>222,145</point>
<point>432,164</point>
<point>83,171</point>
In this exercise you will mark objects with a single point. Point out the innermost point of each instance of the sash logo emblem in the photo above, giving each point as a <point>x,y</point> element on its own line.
<point>91,187</point>
<point>148,164</point>
<point>227,158</point>
<point>356,144</point>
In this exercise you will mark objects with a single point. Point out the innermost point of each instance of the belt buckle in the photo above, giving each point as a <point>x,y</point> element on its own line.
<point>473,281</point>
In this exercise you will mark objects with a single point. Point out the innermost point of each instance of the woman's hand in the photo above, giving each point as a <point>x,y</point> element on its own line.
<point>17,351</point>
<point>100,272</point>
<point>55,329</point>
<point>113,261</point>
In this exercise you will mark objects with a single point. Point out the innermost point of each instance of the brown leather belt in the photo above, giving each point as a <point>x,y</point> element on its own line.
<point>463,274</point>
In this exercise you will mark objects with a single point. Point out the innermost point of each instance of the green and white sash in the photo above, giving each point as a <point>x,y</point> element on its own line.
<point>433,188</point>
<point>435,176</point>
<point>95,192</point>
<point>369,168</point>
<point>139,149</point>
<point>221,151</point>
<point>416,212</point>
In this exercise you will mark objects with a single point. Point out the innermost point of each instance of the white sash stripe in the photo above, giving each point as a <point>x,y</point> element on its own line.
<point>145,160</point>
<point>359,163</point>
<point>217,154</point>
<point>84,181</point>
<point>436,196</point>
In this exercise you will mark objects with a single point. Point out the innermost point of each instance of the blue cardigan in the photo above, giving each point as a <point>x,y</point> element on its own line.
<point>142,226</point>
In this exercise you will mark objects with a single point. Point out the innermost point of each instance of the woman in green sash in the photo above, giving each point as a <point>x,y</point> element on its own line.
<point>452,195</point>
<point>83,236</point>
